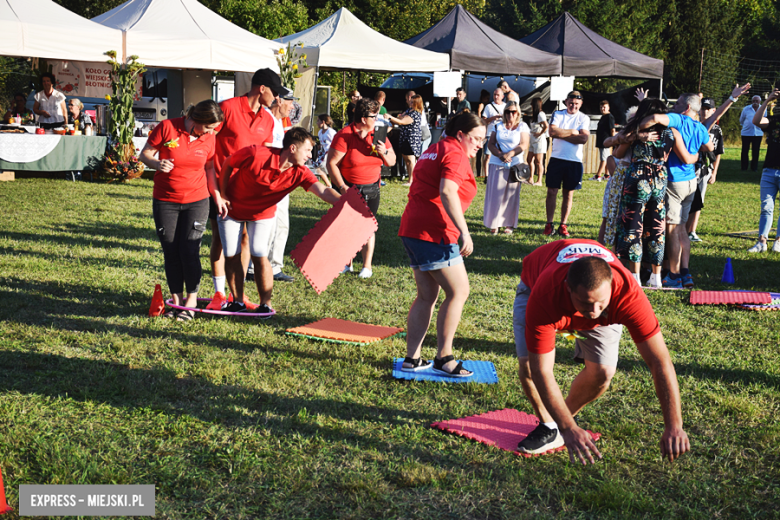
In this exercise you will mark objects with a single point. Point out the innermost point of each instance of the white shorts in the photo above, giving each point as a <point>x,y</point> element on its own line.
<point>258,231</point>
<point>538,147</point>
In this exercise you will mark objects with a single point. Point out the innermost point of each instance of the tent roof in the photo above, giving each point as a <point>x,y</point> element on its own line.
<point>185,34</point>
<point>44,29</point>
<point>586,54</point>
<point>342,41</point>
<point>476,47</point>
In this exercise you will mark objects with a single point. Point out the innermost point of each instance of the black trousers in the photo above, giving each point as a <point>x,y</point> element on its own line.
<point>180,229</point>
<point>749,141</point>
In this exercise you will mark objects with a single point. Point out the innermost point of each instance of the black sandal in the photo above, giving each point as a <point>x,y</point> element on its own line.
<point>185,315</point>
<point>458,371</point>
<point>417,364</point>
<point>169,314</point>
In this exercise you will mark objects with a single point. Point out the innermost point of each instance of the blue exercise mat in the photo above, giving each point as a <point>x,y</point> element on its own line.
<point>484,372</point>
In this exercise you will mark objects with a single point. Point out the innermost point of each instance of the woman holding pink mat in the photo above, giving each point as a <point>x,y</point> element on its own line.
<point>431,225</point>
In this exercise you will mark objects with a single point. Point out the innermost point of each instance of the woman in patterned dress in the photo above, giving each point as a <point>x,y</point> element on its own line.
<point>410,141</point>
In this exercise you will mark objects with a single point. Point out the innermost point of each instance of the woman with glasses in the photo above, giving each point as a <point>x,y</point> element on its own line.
<point>507,144</point>
<point>410,140</point>
<point>431,225</point>
<point>76,114</point>
<point>354,160</point>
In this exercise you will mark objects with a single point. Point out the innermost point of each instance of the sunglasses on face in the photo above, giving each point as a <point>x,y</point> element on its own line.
<point>371,116</point>
<point>511,111</point>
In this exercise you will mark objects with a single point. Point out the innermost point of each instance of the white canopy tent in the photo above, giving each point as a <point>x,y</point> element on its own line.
<point>184,34</point>
<point>44,29</point>
<point>342,41</point>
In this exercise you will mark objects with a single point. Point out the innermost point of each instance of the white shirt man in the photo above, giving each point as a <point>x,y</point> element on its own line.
<point>569,129</point>
<point>751,134</point>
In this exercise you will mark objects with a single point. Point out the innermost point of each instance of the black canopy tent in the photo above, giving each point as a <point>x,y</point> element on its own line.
<point>476,47</point>
<point>584,53</point>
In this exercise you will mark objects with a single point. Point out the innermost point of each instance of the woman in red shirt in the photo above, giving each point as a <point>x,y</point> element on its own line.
<point>354,160</point>
<point>433,220</point>
<point>184,177</point>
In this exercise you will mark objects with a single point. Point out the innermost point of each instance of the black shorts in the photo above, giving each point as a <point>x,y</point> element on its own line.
<point>370,193</point>
<point>406,148</point>
<point>213,212</point>
<point>698,203</point>
<point>568,173</point>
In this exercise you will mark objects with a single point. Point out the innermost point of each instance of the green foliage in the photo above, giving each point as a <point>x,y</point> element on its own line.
<point>270,19</point>
<point>123,88</point>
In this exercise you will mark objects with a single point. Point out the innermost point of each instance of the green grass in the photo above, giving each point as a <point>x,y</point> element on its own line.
<point>233,419</point>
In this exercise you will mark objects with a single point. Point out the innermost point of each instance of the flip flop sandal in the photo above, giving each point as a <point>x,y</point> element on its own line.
<point>438,367</point>
<point>417,364</point>
<point>170,314</point>
<point>185,315</point>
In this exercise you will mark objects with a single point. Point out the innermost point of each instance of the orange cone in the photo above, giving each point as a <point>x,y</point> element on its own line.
<point>4,507</point>
<point>158,304</point>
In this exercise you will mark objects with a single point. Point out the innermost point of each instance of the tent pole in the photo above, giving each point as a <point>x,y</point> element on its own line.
<point>661,88</point>
<point>314,97</point>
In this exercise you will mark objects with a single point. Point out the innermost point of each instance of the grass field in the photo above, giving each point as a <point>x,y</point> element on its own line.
<point>234,420</point>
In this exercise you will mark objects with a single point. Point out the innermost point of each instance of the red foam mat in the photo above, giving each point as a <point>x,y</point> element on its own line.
<point>727,297</point>
<point>501,428</point>
<point>343,330</point>
<point>334,240</point>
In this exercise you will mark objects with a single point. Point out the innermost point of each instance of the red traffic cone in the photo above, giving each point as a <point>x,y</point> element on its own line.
<point>4,507</point>
<point>158,304</point>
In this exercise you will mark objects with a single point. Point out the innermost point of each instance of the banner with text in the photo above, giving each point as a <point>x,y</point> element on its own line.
<point>87,79</point>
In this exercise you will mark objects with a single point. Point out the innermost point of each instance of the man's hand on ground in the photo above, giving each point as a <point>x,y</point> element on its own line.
<point>674,442</point>
<point>580,444</point>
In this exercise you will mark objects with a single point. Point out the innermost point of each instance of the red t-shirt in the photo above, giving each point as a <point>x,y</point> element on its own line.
<point>242,127</point>
<point>359,165</point>
<point>550,308</point>
<point>424,217</point>
<point>187,181</point>
<point>257,184</point>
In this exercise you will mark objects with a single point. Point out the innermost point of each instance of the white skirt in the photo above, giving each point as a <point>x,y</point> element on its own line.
<point>538,147</point>
<point>502,199</point>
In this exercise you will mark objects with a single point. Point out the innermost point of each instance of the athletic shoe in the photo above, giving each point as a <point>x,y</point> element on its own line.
<point>540,440</point>
<point>776,246</point>
<point>693,237</point>
<point>669,283</point>
<point>347,269</point>
<point>595,178</point>
<point>249,305</point>
<point>235,307</point>
<point>548,229</point>
<point>687,281</point>
<point>218,302</point>
<point>250,276</point>
<point>366,273</point>
<point>654,281</point>
<point>760,247</point>
<point>281,277</point>
<point>563,231</point>
<point>264,308</point>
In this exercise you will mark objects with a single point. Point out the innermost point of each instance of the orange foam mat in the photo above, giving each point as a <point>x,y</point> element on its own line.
<point>347,331</point>
<point>729,297</point>
<point>503,429</point>
<point>334,240</point>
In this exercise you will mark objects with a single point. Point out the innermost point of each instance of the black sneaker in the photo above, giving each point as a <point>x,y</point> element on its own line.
<point>540,440</point>
<point>281,277</point>
<point>264,308</point>
<point>235,307</point>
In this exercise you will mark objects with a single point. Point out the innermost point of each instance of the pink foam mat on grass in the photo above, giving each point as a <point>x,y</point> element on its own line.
<point>729,297</point>
<point>334,240</point>
<point>501,428</point>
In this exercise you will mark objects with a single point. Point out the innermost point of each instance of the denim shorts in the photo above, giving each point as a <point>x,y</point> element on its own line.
<point>430,256</point>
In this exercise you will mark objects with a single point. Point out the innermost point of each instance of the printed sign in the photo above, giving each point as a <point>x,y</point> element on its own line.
<point>574,252</point>
<point>86,79</point>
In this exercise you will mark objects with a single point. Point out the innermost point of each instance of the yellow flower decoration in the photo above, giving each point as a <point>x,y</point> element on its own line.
<point>108,97</point>
<point>173,143</point>
<point>569,334</point>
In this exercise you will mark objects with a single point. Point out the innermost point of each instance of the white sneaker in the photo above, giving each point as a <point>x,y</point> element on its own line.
<point>365,273</point>
<point>760,247</point>
<point>347,269</point>
<point>655,281</point>
<point>776,246</point>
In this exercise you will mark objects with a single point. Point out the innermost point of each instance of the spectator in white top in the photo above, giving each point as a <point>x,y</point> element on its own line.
<point>751,134</point>
<point>50,103</point>
<point>492,115</point>
<point>326,134</point>
<point>538,146</point>
<point>569,130</point>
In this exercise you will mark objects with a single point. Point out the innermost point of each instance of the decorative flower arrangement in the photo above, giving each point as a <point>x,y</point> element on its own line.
<point>571,335</point>
<point>173,143</point>
<point>289,63</point>
<point>120,162</point>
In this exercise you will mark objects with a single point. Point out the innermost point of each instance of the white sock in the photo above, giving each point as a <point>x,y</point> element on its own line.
<point>637,278</point>
<point>552,425</point>
<point>219,283</point>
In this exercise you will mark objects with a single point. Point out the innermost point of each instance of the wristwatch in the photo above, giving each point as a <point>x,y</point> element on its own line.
<point>731,98</point>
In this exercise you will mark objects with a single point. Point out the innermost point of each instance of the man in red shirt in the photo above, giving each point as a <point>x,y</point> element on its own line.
<point>254,180</point>
<point>246,123</point>
<point>578,288</point>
